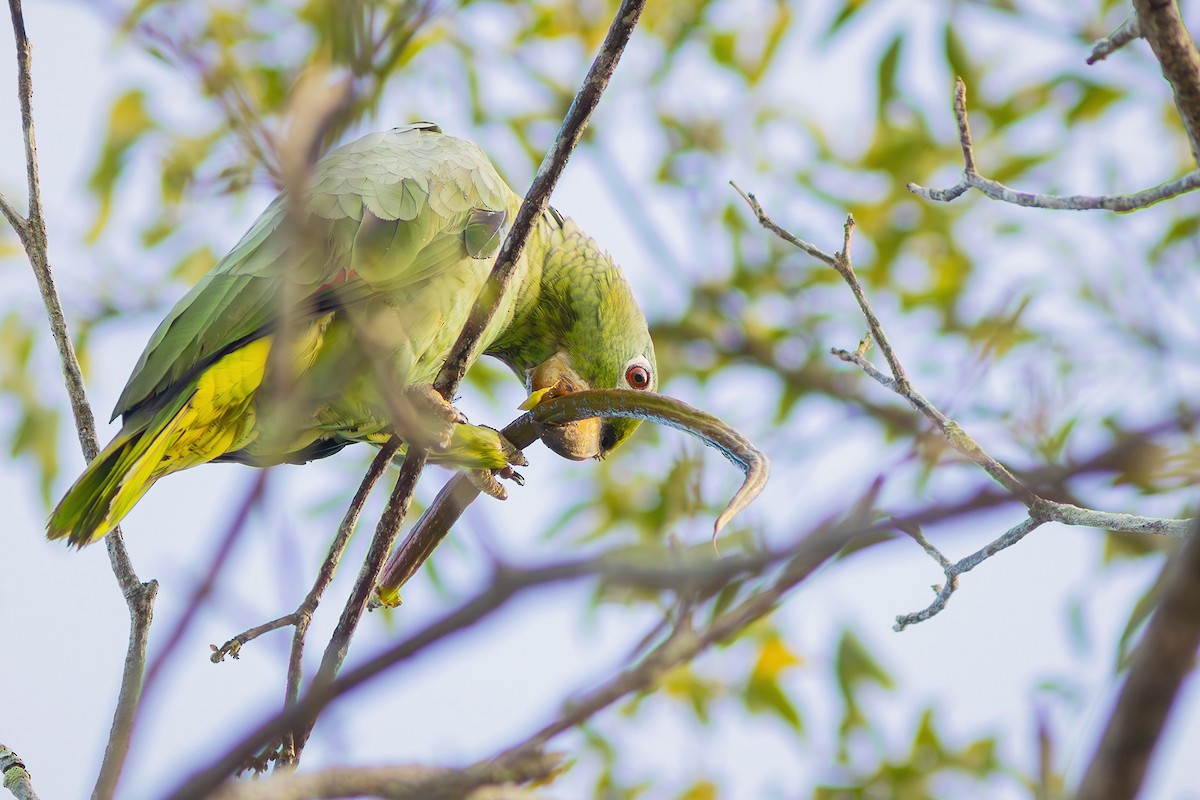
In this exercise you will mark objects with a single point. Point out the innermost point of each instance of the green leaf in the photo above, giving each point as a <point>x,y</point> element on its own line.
<point>128,122</point>
<point>886,80</point>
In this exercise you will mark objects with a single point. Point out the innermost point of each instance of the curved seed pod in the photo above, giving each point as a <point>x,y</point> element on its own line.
<point>677,414</point>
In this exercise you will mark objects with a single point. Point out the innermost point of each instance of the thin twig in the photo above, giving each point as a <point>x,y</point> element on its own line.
<point>302,617</point>
<point>1128,31</point>
<point>1164,659</point>
<point>840,262</point>
<point>952,571</point>
<point>304,614</point>
<point>703,577</point>
<point>955,435</point>
<point>139,597</point>
<point>463,351</point>
<point>233,647</point>
<point>16,777</point>
<point>787,236</point>
<point>971,179</point>
<point>594,83</point>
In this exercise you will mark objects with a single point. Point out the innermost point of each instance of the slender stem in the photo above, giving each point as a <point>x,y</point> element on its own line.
<point>1040,509</point>
<point>462,354</point>
<point>304,614</point>
<point>971,178</point>
<point>402,782</point>
<point>139,597</point>
<point>706,576</point>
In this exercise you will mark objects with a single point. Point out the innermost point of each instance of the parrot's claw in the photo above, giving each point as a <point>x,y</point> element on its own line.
<point>508,473</point>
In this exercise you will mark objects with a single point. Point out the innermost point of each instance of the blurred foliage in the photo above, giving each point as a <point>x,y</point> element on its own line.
<point>1054,336</point>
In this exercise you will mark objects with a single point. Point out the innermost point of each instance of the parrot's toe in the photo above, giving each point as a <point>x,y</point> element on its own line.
<point>485,481</point>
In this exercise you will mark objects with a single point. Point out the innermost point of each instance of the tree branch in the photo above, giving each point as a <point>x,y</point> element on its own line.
<point>391,783</point>
<point>1162,662</point>
<point>1126,32</point>
<point>139,597</point>
<point>684,644</point>
<point>463,351</point>
<point>1162,26</point>
<point>971,179</point>
<point>1040,509</point>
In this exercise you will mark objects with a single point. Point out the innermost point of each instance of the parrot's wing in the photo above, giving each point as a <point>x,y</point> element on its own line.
<point>385,212</point>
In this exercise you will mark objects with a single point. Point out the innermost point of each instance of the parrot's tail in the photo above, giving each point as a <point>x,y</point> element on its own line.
<point>109,487</point>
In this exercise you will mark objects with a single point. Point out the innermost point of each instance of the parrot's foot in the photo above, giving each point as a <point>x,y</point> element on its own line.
<point>431,419</point>
<point>483,454</point>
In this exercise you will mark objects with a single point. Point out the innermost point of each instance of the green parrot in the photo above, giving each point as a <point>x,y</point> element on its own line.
<point>326,325</point>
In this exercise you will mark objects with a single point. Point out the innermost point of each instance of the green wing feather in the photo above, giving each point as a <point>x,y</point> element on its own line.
<point>394,209</point>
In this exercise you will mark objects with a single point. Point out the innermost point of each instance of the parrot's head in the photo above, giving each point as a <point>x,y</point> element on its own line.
<point>598,339</point>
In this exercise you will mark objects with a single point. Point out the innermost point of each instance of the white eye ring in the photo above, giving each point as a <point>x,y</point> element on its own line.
<point>637,374</point>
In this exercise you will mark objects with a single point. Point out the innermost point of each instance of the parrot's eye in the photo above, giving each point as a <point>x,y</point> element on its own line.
<point>638,376</point>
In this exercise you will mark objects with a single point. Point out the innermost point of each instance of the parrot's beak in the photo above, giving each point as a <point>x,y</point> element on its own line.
<point>578,440</point>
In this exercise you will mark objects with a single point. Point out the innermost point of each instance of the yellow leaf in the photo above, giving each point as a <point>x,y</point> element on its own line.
<point>773,659</point>
<point>701,790</point>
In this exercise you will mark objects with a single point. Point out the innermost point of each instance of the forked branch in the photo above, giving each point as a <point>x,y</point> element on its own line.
<point>1040,509</point>
<point>971,179</point>
<point>139,597</point>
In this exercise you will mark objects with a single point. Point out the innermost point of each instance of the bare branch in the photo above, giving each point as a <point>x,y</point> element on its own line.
<point>1162,26</point>
<point>392,783</point>
<point>952,571</point>
<point>1040,509</point>
<point>139,597</point>
<point>1126,32</point>
<point>692,578</point>
<point>16,776</point>
<point>1162,662</point>
<point>787,236</point>
<point>233,647</point>
<point>971,179</point>
<point>14,219</point>
<point>304,614</point>
<point>586,99</point>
